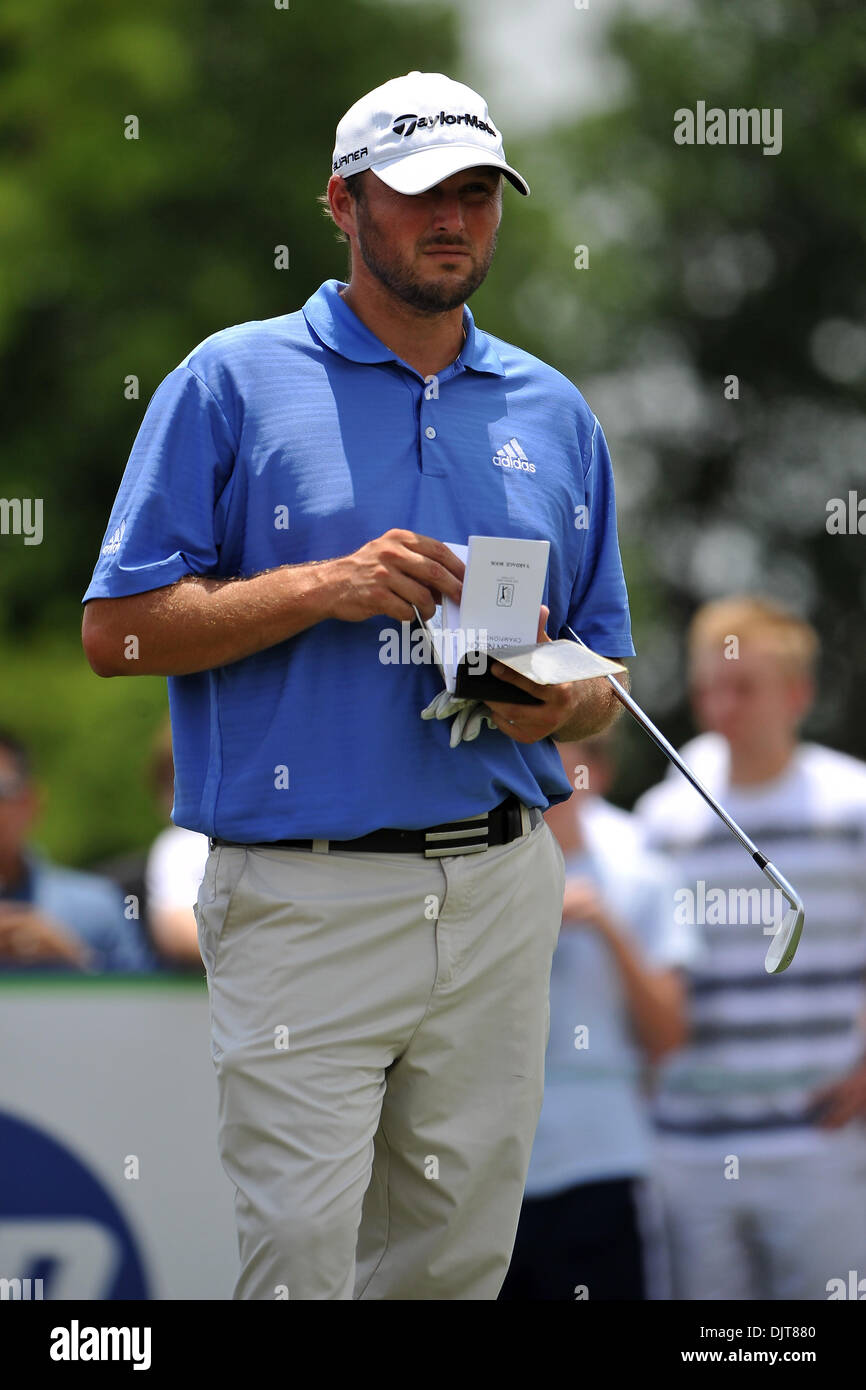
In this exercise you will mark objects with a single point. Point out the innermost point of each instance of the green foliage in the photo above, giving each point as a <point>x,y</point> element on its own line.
<point>712,261</point>
<point>91,743</point>
<point>117,256</point>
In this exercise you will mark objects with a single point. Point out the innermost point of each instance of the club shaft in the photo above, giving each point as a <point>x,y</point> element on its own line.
<point>784,943</point>
<point>667,748</point>
<point>670,752</point>
<point>763,863</point>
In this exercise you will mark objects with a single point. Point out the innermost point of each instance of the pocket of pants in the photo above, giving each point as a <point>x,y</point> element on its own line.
<point>204,898</point>
<point>207,887</point>
<point>222,874</point>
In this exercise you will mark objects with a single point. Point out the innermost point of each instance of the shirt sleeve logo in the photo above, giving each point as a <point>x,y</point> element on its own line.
<point>112,545</point>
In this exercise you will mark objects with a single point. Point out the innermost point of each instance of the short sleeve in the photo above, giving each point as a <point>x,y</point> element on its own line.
<point>163,522</point>
<point>598,610</point>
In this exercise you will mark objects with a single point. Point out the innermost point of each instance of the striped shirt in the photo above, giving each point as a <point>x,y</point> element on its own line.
<point>761,1044</point>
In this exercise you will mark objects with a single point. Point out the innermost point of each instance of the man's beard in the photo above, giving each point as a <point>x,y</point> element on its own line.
<point>385,263</point>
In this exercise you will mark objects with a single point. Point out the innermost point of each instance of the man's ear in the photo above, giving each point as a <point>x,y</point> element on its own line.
<point>342,204</point>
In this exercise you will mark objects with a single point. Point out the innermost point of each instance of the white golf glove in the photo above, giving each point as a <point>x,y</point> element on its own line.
<point>471,714</point>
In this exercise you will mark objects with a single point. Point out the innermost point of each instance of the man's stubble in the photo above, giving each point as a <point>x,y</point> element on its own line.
<point>389,267</point>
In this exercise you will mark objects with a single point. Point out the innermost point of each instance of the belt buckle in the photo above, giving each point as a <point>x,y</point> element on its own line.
<point>438,843</point>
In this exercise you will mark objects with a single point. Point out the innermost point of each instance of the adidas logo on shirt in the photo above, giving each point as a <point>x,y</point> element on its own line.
<point>511,455</point>
<point>112,545</point>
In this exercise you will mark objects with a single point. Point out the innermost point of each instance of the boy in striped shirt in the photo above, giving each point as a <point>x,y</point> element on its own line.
<point>761,1119</point>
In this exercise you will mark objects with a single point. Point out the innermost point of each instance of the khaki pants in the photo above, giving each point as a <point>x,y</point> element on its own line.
<point>378,1028</point>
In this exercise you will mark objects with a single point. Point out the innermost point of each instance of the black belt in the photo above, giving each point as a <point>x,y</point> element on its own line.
<point>504,823</point>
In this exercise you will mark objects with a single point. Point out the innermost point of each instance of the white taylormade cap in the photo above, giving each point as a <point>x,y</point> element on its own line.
<point>416,130</point>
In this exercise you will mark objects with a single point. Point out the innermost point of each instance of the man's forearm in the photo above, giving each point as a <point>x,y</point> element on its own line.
<point>597,710</point>
<point>200,622</point>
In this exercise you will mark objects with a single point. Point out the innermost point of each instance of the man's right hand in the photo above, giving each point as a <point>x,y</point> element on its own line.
<point>393,572</point>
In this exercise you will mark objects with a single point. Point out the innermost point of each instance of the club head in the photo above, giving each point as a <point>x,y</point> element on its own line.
<point>784,943</point>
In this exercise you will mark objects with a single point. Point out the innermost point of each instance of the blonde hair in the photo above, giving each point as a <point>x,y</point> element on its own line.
<point>759,622</point>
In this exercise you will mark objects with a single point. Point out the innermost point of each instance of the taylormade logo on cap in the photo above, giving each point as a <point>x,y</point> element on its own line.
<point>417,130</point>
<point>405,125</point>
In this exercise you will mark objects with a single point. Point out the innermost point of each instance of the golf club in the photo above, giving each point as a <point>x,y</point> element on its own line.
<point>784,943</point>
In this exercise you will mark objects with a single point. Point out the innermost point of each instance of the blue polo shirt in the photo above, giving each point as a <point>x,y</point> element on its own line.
<point>301,438</point>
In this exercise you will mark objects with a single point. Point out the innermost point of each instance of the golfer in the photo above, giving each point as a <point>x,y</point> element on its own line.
<point>379,908</point>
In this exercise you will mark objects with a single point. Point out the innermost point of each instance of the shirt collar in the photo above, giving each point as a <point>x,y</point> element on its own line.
<point>339,328</point>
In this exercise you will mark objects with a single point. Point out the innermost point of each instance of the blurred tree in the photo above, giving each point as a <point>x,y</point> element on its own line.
<point>707,263</point>
<point>117,256</point>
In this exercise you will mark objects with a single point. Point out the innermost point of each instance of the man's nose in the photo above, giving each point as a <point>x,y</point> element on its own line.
<point>448,212</point>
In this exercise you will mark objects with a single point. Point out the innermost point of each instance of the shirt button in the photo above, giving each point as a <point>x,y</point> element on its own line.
<point>430,432</point>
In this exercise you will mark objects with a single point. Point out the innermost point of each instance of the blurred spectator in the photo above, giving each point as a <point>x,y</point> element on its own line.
<point>616,1003</point>
<point>762,1145</point>
<point>52,917</point>
<point>174,871</point>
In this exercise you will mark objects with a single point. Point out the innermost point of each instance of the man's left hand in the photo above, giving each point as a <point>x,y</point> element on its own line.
<point>529,723</point>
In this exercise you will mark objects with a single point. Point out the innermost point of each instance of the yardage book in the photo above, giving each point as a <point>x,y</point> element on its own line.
<point>497,620</point>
